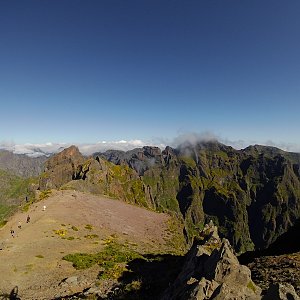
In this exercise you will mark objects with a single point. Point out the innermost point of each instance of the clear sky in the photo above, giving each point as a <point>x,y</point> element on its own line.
<point>92,70</point>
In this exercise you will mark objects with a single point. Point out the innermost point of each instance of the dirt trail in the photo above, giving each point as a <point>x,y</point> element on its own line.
<point>32,260</point>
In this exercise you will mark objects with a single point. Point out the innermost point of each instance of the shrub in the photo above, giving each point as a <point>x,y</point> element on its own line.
<point>88,227</point>
<point>74,228</point>
<point>112,260</point>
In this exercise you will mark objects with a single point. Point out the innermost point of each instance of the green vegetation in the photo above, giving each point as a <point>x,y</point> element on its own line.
<point>26,206</point>
<point>13,190</point>
<point>60,232</point>
<point>45,194</point>
<point>89,227</point>
<point>39,256</point>
<point>175,239</point>
<point>12,186</point>
<point>5,211</point>
<point>251,286</point>
<point>112,259</point>
<point>74,228</point>
<point>91,236</point>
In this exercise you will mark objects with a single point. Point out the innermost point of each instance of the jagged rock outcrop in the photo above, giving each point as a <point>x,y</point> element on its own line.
<point>212,271</point>
<point>61,168</point>
<point>139,159</point>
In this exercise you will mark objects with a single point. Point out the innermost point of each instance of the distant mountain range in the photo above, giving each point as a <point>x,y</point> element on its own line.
<point>253,195</point>
<point>21,164</point>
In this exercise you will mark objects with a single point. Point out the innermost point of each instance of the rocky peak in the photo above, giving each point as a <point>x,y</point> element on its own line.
<point>139,159</point>
<point>152,151</point>
<point>212,271</point>
<point>60,168</point>
<point>70,154</point>
<point>70,151</point>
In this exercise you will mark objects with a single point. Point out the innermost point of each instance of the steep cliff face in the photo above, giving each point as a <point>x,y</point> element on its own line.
<point>253,195</point>
<point>61,168</point>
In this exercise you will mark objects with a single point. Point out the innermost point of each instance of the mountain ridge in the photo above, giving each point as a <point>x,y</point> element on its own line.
<point>253,194</point>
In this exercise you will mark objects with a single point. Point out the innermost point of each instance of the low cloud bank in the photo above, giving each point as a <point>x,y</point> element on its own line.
<point>35,150</point>
<point>194,138</point>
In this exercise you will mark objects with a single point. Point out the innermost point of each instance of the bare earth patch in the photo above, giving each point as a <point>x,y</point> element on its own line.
<point>72,222</point>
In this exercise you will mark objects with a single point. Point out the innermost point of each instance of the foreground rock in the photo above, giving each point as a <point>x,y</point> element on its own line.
<point>281,291</point>
<point>212,271</point>
<point>270,270</point>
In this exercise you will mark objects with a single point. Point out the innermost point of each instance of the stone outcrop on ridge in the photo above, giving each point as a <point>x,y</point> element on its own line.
<point>212,271</point>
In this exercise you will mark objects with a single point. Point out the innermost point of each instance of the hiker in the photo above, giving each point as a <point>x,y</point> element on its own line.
<point>28,219</point>
<point>26,199</point>
<point>44,207</point>
<point>19,225</point>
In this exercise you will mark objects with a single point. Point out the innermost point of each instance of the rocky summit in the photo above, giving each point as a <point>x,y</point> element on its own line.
<point>212,271</point>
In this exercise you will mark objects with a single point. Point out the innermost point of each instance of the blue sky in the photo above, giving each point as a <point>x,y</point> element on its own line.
<point>88,71</point>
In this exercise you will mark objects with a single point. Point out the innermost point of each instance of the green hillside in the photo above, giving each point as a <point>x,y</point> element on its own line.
<point>13,190</point>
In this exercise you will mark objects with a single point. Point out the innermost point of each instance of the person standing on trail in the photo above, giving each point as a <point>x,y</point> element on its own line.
<point>19,225</point>
<point>28,219</point>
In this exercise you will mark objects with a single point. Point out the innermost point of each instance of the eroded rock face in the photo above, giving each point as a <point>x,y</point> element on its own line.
<point>212,271</point>
<point>61,168</point>
<point>139,159</point>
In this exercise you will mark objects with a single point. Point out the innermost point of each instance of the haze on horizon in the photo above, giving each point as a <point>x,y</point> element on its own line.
<point>89,71</point>
<point>35,150</point>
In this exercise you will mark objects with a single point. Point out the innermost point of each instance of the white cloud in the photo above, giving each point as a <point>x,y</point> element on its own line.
<point>194,138</point>
<point>35,150</point>
<point>88,149</point>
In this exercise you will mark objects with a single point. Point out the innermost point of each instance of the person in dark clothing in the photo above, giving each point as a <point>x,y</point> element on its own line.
<point>28,219</point>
